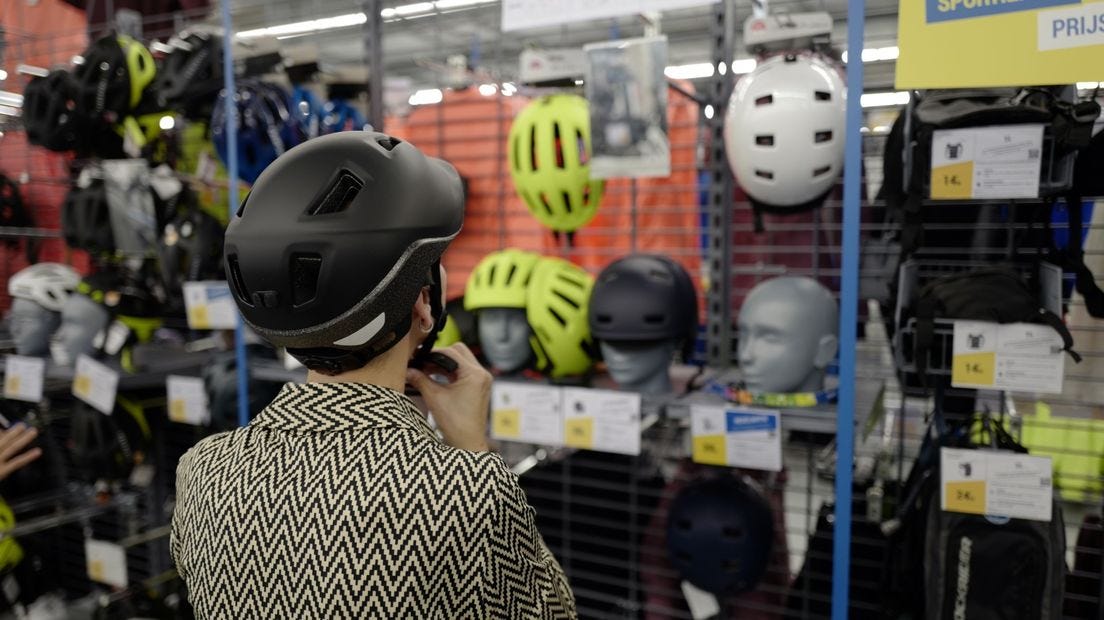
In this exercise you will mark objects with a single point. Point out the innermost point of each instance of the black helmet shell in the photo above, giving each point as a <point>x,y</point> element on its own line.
<point>337,239</point>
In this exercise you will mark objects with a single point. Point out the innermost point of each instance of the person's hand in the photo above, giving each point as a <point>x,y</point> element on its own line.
<point>12,443</point>
<point>462,406</point>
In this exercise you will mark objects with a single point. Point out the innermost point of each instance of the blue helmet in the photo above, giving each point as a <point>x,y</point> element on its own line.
<point>265,127</point>
<point>340,115</point>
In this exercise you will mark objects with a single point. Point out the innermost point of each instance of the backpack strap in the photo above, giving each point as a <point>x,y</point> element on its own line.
<point>925,334</point>
<point>1049,318</point>
<point>1074,260</point>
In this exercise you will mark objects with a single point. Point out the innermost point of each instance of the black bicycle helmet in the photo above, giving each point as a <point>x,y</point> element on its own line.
<point>113,76</point>
<point>335,242</point>
<point>719,535</point>
<point>645,298</point>
<point>190,76</point>
<point>48,112</point>
<point>86,219</point>
<point>107,446</point>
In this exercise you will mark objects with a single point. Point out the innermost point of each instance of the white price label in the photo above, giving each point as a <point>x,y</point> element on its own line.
<point>23,378</point>
<point>210,305</point>
<point>1022,357</point>
<point>702,604</point>
<point>987,162</point>
<point>736,437</point>
<point>117,335</point>
<point>95,384</point>
<point>602,420</point>
<point>527,413</point>
<point>1004,484</point>
<point>187,400</point>
<point>106,562</point>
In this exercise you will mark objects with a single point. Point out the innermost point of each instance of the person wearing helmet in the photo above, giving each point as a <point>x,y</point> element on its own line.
<point>38,294</point>
<point>643,308</point>
<point>338,500</point>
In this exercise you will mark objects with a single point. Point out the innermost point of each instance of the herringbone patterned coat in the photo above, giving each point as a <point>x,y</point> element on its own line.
<point>339,501</point>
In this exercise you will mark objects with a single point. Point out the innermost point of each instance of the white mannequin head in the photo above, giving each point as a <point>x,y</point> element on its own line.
<point>504,337</point>
<point>31,326</point>
<point>81,320</point>
<point>788,334</point>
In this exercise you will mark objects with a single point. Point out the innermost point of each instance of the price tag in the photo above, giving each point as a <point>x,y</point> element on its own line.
<point>986,162</point>
<point>23,378</point>
<point>602,420</point>
<point>117,335</point>
<point>702,604</point>
<point>106,562</point>
<point>527,413</point>
<point>210,305</point>
<point>1025,357</point>
<point>1005,484</point>
<point>95,384</point>
<point>187,400</point>
<point>736,437</point>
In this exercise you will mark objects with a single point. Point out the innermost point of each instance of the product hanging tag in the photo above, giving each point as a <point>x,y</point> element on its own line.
<point>986,162</point>
<point>95,384</point>
<point>736,437</point>
<point>187,400</point>
<point>106,562</point>
<point>602,420</point>
<point>527,413</point>
<point>702,604</point>
<point>23,378</point>
<point>1023,357</point>
<point>117,335</point>
<point>999,484</point>
<point>210,305</point>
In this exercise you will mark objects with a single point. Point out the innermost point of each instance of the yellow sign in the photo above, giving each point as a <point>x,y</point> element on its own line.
<point>579,432</point>
<point>12,385</point>
<point>968,497</point>
<point>973,368</point>
<point>178,410</point>
<point>952,182</point>
<point>82,385</point>
<point>506,422</point>
<point>197,318</point>
<point>709,450</point>
<point>986,43</point>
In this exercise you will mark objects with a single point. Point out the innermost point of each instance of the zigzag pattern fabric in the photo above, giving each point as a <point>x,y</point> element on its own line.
<point>339,501</point>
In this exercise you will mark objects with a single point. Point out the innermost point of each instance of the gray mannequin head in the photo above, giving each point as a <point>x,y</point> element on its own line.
<point>504,336</point>
<point>640,366</point>
<point>31,327</point>
<point>81,320</point>
<point>788,335</point>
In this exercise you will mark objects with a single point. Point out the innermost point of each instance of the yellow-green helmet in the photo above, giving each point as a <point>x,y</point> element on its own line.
<point>500,280</point>
<point>10,551</point>
<point>549,152</point>
<point>449,334</point>
<point>559,293</point>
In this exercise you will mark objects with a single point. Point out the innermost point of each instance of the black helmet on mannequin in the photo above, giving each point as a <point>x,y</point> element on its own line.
<point>190,77</point>
<point>335,242</point>
<point>49,112</point>
<point>643,298</point>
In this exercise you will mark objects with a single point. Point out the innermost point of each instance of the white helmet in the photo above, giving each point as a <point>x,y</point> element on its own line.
<point>784,130</point>
<point>47,284</point>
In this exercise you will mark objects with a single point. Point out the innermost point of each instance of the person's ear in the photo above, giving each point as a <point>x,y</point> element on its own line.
<point>826,351</point>
<point>423,313</point>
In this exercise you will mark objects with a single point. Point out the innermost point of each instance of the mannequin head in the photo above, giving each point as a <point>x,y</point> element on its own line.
<point>788,335</point>
<point>31,327</point>
<point>504,336</point>
<point>640,366</point>
<point>81,320</point>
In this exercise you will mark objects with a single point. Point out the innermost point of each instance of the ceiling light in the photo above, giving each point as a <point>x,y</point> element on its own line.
<point>708,111</point>
<point>3,75</point>
<point>7,110</point>
<point>313,25</point>
<point>167,122</point>
<point>426,96</point>
<point>33,70</point>
<point>881,100</point>
<point>744,65</point>
<point>689,72</point>
<point>877,54</point>
<point>11,99</point>
<point>1089,85</point>
<point>487,89</point>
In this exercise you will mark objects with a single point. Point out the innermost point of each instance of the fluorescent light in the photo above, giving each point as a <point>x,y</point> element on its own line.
<point>508,89</point>
<point>7,110</point>
<point>744,65</point>
<point>11,99</point>
<point>313,25</point>
<point>3,75</point>
<point>1089,85</point>
<point>881,129</point>
<point>411,9</point>
<point>689,72</point>
<point>458,4</point>
<point>487,89</point>
<point>33,70</point>
<point>722,67</point>
<point>708,111</point>
<point>882,100</point>
<point>878,54</point>
<point>77,59</point>
<point>167,122</point>
<point>426,96</point>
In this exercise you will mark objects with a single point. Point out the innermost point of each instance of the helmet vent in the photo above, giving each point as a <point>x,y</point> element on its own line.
<point>510,275</point>
<point>823,95</point>
<point>653,319</point>
<point>733,533</point>
<point>572,279</point>
<point>304,278</point>
<point>823,136</point>
<point>389,143</point>
<point>604,319</point>
<point>764,100</point>
<point>559,145</point>
<point>241,207</point>
<point>764,174</point>
<point>567,201</point>
<point>558,317</point>
<point>341,193</point>
<point>491,274</point>
<point>683,524</point>
<point>822,170</point>
<point>544,201</point>
<point>239,282</point>
<point>580,143</point>
<point>533,148</point>
<point>764,140</point>
<point>567,300</point>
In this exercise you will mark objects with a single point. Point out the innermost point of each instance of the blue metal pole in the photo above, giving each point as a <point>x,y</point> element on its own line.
<point>849,306</point>
<point>232,193</point>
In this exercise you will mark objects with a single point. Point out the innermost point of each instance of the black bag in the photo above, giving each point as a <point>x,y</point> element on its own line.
<point>995,294</point>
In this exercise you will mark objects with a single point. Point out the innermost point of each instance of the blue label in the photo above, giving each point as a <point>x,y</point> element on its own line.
<point>740,422</point>
<point>217,292</point>
<point>947,10</point>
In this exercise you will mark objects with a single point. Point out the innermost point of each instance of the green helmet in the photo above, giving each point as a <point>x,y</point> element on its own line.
<point>559,293</point>
<point>500,280</point>
<point>549,161</point>
<point>10,551</point>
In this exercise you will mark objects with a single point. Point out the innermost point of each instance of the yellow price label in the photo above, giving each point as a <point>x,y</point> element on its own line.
<point>95,570</point>
<point>177,410</point>
<point>82,385</point>
<point>579,432</point>
<point>974,368</point>
<point>198,317</point>
<point>968,497</point>
<point>11,385</point>
<point>953,182</point>
<point>709,450</point>
<point>506,423</point>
